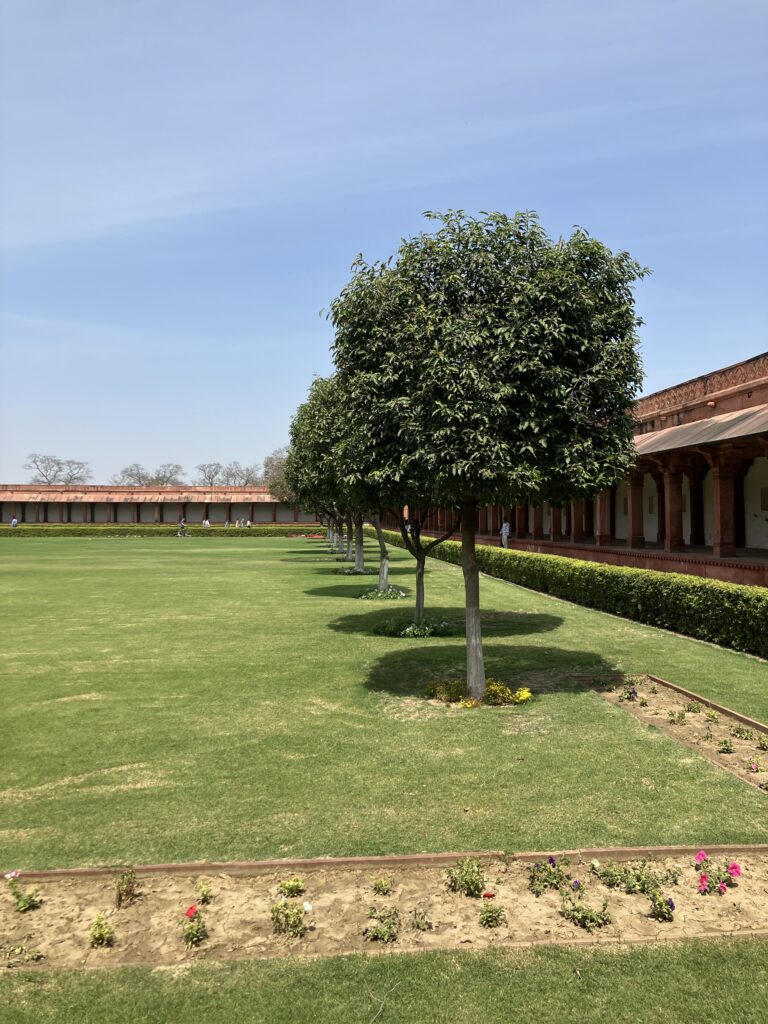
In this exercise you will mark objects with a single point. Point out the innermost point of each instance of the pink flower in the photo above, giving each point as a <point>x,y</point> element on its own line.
<point>734,870</point>
<point>704,883</point>
<point>700,857</point>
<point>12,874</point>
<point>723,888</point>
<point>191,912</point>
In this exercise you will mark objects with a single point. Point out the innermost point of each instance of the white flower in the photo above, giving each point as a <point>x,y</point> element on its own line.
<point>12,874</point>
<point>307,907</point>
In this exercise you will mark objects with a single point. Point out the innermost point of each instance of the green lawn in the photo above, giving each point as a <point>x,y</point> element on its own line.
<point>174,700</point>
<point>688,983</point>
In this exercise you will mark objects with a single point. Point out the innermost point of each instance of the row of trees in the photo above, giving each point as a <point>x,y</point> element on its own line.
<point>484,363</point>
<point>50,469</point>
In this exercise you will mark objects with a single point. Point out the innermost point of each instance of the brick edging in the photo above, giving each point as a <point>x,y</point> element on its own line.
<point>389,860</point>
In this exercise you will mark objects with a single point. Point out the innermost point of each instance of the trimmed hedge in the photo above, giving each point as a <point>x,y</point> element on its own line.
<point>148,530</point>
<point>722,613</point>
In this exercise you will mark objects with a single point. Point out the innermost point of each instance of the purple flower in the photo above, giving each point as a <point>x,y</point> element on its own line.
<point>576,884</point>
<point>552,862</point>
<point>670,904</point>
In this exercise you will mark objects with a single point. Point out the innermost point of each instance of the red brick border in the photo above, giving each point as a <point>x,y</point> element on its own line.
<point>252,867</point>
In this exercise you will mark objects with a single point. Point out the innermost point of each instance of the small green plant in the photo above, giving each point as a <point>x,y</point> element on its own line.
<point>676,717</point>
<point>654,689</point>
<point>382,886</point>
<point>126,888</point>
<point>708,735</point>
<point>25,901</point>
<point>633,878</point>
<point>762,743</point>
<point>630,692</point>
<point>390,594</point>
<point>420,920</point>
<point>726,746</point>
<point>692,706</point>
<point>102,933</point>
<point>291,887</point>
<point>643,702</point>
<point>740,732</point>
<point>289,918</point>
<point>492,916</point>
<point>711,715</point>
<point>548,875</point>
<point>574,909</point>
<point>662,907</point>
<point>755,765</point>
<point>204,892</point>
<point>450,692</point>
<point>193,927</point>
<point>15,955</point>
<point>466,877</point>
<point>385,925</point>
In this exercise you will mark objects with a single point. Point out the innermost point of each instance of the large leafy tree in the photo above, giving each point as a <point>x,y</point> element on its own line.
<point>492,365</point>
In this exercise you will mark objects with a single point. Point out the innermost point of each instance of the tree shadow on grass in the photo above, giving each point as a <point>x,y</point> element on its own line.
<point>350,590</point>
<point>494,624</point>
<point>408,672</point>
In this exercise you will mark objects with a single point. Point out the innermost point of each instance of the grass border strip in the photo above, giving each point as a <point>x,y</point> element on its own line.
<point>752,722</point>
<point>390,859</point>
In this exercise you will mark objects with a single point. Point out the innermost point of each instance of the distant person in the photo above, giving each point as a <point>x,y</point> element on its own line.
<point>227,524</point>
<point>183,528</point>
<point>14,523</point>
<point>505,531</point>
<point>248,525</point>
<point>206,524</point>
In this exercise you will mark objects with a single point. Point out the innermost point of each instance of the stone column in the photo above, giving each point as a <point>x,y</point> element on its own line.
<point>635,525</point>
<point>274,511</point>
<point>696,482</point>
<point>521,522</point>
<point>555,523</point>
<point>724,511</point>
<point>62,510</point>
<point>603,518</point>
<point>673,507</point>
<point>158,513</point>
<point>661,517</point>
<point>589,517</point>
<point>37,511</point>
<point>538,522</point>
<point>577,521</point>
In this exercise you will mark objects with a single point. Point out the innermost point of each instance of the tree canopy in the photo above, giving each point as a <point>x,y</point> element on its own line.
<point>490,364</point>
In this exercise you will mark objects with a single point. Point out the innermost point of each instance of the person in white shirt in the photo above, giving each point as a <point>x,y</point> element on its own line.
<point>505,531</point>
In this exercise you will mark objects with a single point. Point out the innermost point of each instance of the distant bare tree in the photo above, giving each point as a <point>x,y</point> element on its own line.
<point>50,469</point>
<point>169,474</point>
<point>236,475</point>
<point>274,476</point>
<point>209,474</point>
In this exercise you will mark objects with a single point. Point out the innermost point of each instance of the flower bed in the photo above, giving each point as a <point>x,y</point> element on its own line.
<point>721,736</point>
<point>318,909</point>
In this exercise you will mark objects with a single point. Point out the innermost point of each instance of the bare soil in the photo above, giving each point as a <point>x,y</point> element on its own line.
<point>240,927</point>
<point>703,730</point>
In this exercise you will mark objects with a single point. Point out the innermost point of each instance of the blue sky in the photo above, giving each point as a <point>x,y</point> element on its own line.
<point>183,186</point>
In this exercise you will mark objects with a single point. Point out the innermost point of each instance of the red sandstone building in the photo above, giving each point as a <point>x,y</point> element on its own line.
<point>51,503</point>
<point>697,501</point>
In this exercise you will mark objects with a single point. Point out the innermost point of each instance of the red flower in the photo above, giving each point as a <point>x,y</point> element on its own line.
<point>489,895</point>
<point>192,912</point>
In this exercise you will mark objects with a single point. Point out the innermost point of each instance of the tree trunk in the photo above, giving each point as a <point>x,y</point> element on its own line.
<point>331,535</point>
<point>359,549</point>
<point>350,555</point>
<point>383,554</point>
<point>475,665</point>
<point>418,612</point>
